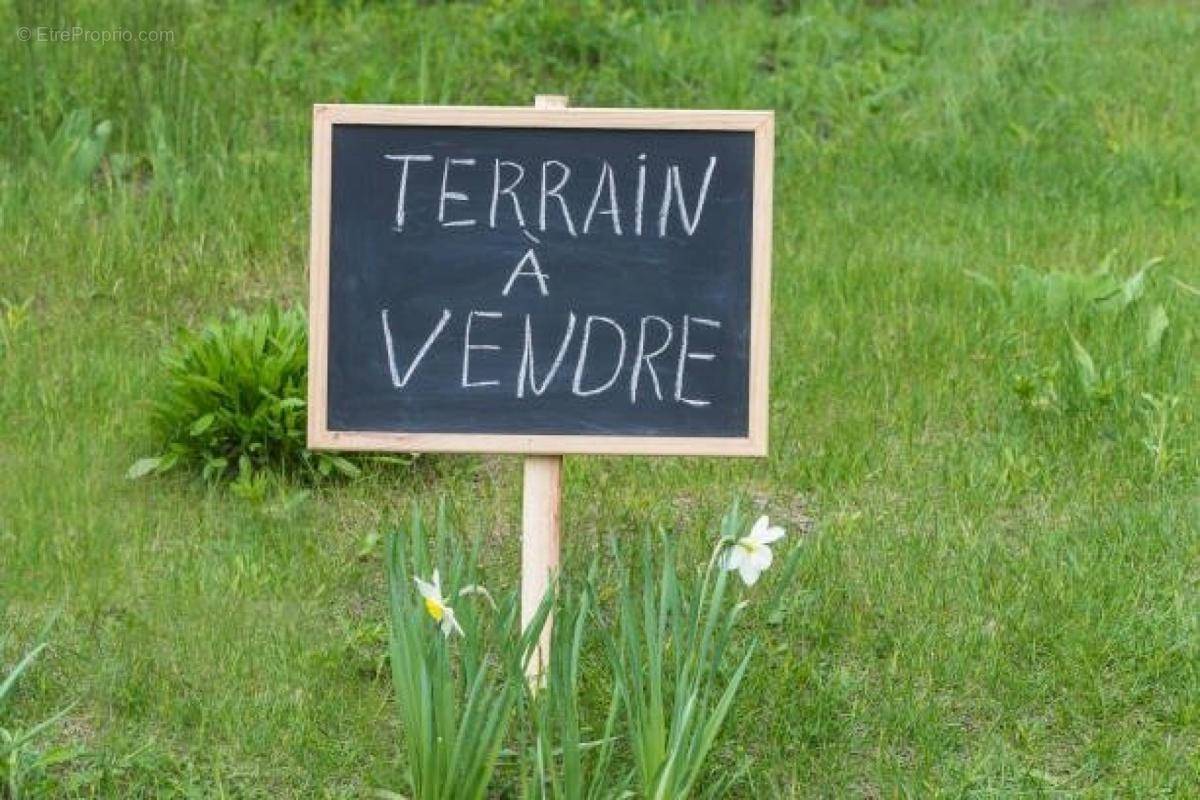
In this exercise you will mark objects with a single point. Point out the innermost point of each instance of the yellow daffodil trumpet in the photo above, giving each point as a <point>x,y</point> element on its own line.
<point>435,604</point>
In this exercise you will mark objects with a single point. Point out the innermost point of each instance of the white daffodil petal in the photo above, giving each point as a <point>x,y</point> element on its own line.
<point>427,590</point>
<point>760,557</point>
<point>450,623</point>
<point>770,534</point>
<point>749,572</point>
<point>733,557</point>
<point>760,525</point>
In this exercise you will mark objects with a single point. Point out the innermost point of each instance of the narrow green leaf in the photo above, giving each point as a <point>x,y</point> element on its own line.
<point>1085,367</point>
<point>142,467</point>
<point>345,466</point>
<point>21,666</point>
<point>1156,328</point>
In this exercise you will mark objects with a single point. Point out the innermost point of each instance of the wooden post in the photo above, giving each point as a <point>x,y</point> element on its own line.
<point>541,518</point>
<point>540,540</point>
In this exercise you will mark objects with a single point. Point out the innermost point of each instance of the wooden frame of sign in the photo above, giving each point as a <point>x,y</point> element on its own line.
<point>760,123</point>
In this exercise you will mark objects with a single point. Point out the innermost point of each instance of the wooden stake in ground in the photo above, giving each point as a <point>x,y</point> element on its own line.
<point>541,518</point>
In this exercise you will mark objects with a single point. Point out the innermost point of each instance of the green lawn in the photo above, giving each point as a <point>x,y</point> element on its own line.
<point>999,593</point>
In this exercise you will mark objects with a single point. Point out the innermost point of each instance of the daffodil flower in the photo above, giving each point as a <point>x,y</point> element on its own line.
<point>751,554</point>
<point>442,614</point>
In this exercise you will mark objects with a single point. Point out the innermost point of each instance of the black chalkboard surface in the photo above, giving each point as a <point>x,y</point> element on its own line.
<point>519,280</point>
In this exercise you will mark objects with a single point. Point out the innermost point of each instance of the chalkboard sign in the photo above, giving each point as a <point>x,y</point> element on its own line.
<point>540,281</point>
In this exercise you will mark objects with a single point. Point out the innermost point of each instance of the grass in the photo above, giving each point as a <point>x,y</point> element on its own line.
<point>998,597</point>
